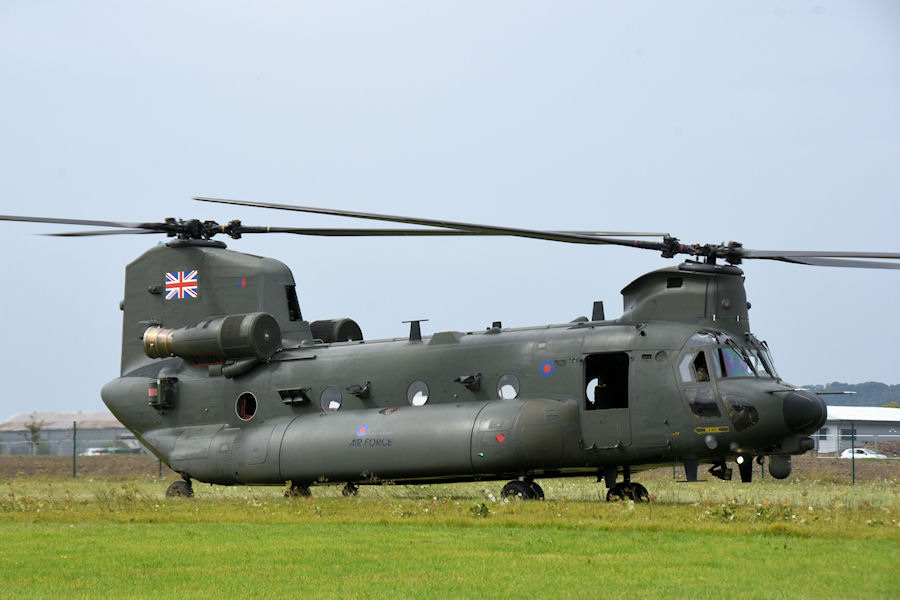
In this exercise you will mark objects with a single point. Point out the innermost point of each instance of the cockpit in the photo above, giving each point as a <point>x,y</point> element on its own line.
<point>716,355</point>
<point>711,356</point>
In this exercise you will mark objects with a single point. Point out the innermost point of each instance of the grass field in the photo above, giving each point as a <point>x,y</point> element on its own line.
<point>117,536</point>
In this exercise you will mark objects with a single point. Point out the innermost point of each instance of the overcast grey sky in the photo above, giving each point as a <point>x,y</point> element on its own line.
<point>776,124</point>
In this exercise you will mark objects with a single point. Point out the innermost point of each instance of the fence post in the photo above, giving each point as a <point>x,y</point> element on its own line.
<point>853,450</point>
<point>74,449</point>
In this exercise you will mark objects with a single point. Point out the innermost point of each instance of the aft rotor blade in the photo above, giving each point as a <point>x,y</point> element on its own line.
<point>473,228</point>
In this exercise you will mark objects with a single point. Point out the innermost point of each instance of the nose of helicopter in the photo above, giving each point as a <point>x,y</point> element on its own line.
<point>804,412</point>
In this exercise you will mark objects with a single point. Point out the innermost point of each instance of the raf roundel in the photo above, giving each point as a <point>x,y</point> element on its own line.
<point>362,431</point>
<point>547,368</point>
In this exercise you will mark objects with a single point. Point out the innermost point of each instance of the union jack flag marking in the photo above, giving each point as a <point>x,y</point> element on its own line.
<point>182,284</point>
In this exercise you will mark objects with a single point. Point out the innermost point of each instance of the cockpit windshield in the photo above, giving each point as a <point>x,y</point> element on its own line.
<point>735,362</point>
<point>727,358</point>
<point>760,357</point>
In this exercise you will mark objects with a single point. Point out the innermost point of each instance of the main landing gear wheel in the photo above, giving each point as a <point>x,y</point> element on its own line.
<point>537,490</point>
<point>180,489</point>
<point>628,491</point>
<point>350,489</point>
<point>526,490</point>
<point>297,490</point>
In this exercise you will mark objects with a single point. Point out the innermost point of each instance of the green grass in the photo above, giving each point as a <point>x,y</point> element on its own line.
<point>105,538</point>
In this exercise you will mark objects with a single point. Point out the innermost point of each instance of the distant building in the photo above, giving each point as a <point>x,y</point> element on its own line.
<point>858,426</point>
<point>52,433</point>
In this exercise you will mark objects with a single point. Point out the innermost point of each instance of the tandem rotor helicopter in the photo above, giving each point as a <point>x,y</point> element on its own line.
<point>225,381</point>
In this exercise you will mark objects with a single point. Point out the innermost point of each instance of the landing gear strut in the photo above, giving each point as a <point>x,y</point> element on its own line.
<point>526,489</point>
<point>180,489</point>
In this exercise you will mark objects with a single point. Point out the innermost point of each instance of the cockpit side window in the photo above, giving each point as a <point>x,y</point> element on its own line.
<point>700,368</point>
<point>694,368</point>
<point>702,401</point>
<point>695,371</point>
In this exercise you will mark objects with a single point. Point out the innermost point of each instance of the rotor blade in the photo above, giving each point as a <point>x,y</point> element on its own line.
<point>102,232</point>
<point>384,232</point>
<point>351,232</point>
<point>559,236</point>
<point>78,222</point>
<point>834,262</point>
<point>776,254</point>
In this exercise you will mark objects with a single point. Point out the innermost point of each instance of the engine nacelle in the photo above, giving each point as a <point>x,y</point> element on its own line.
<point>252,335</point>
<point>336,330</point>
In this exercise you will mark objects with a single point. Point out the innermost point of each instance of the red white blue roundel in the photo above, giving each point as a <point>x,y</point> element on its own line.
<point>362,431</point>
<point>547,368</point>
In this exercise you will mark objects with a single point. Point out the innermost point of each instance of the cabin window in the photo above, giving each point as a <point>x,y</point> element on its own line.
<point>245,407</point>
<point>331,399</point>
<point>417,393</point>
<point>606,381</point>
<point>508,387</point>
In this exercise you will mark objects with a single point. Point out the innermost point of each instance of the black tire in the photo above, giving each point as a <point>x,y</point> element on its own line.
<point>639,493</point>
<point>350,490</point>
<point>180,489</point>
<point>615,493</point>
<point>518,489</point>
<point>537,491</point>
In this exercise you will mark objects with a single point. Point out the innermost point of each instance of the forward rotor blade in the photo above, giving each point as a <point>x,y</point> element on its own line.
<point>78,222</point>
<point>103,232</point>
<point>385,232</point>
<point>776,254</point>
<point>354,232</point>
<point>473,228</point>
<point>834,262</point>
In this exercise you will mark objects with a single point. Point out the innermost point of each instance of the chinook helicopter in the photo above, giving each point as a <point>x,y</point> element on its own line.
<point>224,380</point>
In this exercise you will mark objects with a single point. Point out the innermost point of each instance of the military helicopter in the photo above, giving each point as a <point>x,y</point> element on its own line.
<point>224,380</point>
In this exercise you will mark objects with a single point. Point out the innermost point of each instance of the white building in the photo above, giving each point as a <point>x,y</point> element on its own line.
<point>53,432</point>
<point>871,426</point>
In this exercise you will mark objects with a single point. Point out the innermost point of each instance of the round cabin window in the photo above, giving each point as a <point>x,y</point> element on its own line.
<point>417,393</point>
<point>331,399</point>
<point>245,407</point>
<point>508,387</point>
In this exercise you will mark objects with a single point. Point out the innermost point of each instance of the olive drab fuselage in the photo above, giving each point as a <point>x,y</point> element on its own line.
<point>224,381</point>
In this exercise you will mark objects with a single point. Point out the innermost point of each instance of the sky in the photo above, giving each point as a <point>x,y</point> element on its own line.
<point>776,124</point>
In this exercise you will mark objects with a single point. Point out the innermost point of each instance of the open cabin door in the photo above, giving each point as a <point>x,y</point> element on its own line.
<point>605,419</point>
